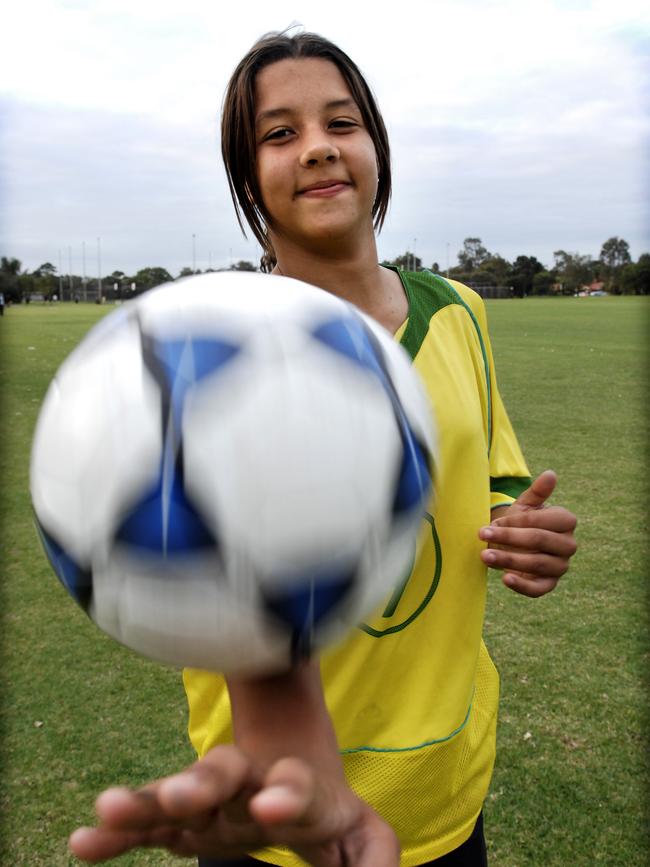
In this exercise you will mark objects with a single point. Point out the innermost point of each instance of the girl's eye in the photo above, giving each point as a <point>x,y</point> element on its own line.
<point>342,123</point>
<point>277,134</point>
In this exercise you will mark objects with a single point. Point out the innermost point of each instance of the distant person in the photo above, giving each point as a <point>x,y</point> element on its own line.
<point>2,304</point>
<point>386,743</point>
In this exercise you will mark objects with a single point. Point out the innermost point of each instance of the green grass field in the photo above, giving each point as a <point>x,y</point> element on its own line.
<point>570,787</point>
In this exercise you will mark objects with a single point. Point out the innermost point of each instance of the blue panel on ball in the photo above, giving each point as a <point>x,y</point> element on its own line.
<point>303,605</point>
<point>414,481</point>
<point>349,337</point>
<point>178,365</point>
<point>187,362</point>
<point>76,580</point>
<point>352,338</point>
<point>164,521</point>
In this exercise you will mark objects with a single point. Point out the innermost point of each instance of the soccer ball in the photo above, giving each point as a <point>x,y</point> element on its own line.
<point>229,472</point>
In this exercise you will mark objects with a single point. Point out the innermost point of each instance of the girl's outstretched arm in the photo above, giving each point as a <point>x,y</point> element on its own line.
<point>282,783</point>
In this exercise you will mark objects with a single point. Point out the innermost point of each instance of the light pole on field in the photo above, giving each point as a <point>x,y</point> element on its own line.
<point>83,268</point>
<point>69,272</point>
<point>99,270</point>
<point>60,277</point>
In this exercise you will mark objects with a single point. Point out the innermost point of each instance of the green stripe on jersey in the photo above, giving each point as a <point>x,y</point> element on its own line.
<point>510,486</point>
<point>438,293</point>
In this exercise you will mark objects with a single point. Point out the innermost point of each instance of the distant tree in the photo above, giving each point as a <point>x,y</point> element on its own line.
<point>10,266</point>
<point>635,276</point>
<point>243,265</point>
<point>10,278</point>
<point>615,252</point>
<point>406,262</point>
<point>492,271</point>
<point>573,270</point>
<point>480,277</point>
<point>435,268</point>
<point>45,280</point>
<point>44,269</point>
<point>542,282</point>
<point>473,255</point>
<point>498,269</point>
<point>457,273</point>
<point>117,282</point>
<point>524,269</point>
<point>147,278</point>
<point>614,256</point>
<point>186,272</point>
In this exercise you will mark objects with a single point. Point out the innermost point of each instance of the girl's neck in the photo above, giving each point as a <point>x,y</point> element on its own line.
<point>354,276</point>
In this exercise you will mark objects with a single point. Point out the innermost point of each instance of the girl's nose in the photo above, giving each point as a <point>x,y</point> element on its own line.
<point>318,152</point>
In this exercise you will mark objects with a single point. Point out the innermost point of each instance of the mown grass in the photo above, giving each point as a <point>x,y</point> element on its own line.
<point>79,712</point>
<point>571,781</point>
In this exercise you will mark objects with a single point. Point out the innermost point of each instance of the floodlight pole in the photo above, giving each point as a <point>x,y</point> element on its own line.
<point>60,277</point>
<point>193,253</point>
<point>99,270</point>
<point>83,268</point>
<point>69,272</point>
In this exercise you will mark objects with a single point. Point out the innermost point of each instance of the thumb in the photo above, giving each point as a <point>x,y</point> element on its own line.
<point>539,491</point>
<point>289,794</point>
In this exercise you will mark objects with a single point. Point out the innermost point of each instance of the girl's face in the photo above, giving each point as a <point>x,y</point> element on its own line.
<point>316,163</point>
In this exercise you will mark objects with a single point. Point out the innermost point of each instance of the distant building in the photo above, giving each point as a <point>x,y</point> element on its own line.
<point>596,287</point>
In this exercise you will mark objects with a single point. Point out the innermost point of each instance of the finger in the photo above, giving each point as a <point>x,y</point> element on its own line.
<point>199,789</point>
<point>100,844</point>
<point>529,585</point>
<point>125,809</point>
<point>554,518</point>
<point>519,539</point>
<point>221,775</point>
<point>535,564</point>
<point>539,491</point>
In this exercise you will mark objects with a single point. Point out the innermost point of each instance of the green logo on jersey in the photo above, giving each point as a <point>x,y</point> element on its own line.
<point>400,598</point>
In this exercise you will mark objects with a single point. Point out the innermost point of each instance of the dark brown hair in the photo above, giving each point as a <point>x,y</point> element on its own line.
<point>238,141</point>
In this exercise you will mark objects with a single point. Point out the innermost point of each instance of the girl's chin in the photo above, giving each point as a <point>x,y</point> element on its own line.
<point>322,233</point>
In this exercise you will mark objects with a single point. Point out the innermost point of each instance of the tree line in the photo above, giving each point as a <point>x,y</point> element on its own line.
<point>613,271</point>
<point>45,282</point>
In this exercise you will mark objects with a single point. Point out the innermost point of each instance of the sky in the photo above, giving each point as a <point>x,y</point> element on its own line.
<point>525,124</point>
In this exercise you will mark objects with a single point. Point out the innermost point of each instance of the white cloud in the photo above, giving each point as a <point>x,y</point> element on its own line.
<point>524,123</point>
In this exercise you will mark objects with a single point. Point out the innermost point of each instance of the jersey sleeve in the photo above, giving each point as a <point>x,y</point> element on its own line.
<point>509,474</point>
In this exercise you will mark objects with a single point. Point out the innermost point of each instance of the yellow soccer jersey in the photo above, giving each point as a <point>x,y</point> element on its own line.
<point>413,692</point>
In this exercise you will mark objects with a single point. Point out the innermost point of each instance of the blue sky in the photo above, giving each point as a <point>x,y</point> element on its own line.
<point>524,124</point>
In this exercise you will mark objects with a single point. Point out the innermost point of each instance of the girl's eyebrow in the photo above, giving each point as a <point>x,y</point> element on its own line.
<point>271,113</point>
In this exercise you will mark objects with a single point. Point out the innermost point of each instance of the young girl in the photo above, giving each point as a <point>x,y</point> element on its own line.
<point>385,745</point>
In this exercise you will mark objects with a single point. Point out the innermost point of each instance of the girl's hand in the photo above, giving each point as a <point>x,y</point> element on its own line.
<point>530,541</point>
<point>219,807</point>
